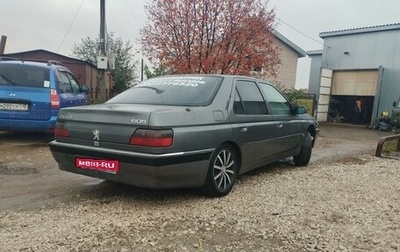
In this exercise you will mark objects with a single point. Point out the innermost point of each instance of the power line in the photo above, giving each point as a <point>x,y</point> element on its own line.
<point>70,25</point>
<point>300,32</point>
<point>112,17</point>
<point>133,16</point>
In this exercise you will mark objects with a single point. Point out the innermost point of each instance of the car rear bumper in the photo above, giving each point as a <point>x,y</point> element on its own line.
<point>27,125</point>
<point>172,170</point>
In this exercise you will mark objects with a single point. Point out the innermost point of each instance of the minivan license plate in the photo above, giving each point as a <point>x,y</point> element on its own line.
<point>110,166</point>
<point>14,106</point>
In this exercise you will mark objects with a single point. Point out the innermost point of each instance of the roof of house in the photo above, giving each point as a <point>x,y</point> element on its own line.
<point>300,52</point>
<point>377,28</point>
<point>314,52</point>
<point>66,59</point>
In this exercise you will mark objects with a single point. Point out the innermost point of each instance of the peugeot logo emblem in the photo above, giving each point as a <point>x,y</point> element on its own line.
<point>12,94</point>
<point>96,135</point>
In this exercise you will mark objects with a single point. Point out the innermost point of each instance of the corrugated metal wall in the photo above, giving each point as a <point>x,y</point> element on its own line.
<point>357,51</point>
<point>389,90</point>
<point>315,74</point>
<point>361,51</point>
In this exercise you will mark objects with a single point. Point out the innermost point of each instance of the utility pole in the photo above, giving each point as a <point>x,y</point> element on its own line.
<point>103,95</point>
<point>141,70</point>
<point>2,44</point>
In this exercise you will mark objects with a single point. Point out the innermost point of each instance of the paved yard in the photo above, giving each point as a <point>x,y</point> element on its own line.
<point>345,200</point>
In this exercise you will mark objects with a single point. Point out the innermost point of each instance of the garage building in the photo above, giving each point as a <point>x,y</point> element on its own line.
<point>357,74</point>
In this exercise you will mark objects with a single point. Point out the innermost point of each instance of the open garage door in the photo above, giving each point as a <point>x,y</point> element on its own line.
<point>355,83</point>
<point>350,88</point>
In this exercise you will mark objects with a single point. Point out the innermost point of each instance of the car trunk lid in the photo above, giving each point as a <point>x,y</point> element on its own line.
<point>104,123</point>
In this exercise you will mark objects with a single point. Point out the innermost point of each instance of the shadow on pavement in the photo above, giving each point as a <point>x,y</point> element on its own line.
<point>25,138</point>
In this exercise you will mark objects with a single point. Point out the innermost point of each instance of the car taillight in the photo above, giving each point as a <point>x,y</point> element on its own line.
<point>54,99</point>
<point>60,129</point>
<point>152,138</point>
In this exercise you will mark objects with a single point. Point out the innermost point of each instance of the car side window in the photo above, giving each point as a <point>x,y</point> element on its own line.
<point>248,99</point>
<point>63,83</point>
<point>74,83</point>
<point>277,102</point>
<point>237,104</point>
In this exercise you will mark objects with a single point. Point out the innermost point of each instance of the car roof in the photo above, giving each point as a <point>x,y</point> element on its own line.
<point>226,76</point>
<point>48,64</point>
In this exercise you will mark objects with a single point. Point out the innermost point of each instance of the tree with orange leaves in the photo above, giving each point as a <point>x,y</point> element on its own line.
<point>211,36</point>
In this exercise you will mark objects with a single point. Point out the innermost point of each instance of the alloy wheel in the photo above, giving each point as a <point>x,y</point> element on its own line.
<point>224,170</point>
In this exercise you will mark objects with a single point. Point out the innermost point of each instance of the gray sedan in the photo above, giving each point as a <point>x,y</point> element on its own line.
<point>184,131</point>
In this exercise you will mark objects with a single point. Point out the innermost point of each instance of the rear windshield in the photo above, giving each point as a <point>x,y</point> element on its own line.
<point>24,75</point>
<point>172,90</point>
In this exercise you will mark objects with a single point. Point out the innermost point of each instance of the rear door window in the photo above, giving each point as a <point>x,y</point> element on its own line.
<point>63,82</point>
<point>248,99</point>
<point>24,75</point>
<point>67,82</point>
<point>74,83</point>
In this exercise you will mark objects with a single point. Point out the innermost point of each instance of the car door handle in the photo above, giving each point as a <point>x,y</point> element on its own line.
<point>243,129</point>
<point>280,125</point>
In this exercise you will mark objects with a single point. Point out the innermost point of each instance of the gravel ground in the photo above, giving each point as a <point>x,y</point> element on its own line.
<point>349,206</point>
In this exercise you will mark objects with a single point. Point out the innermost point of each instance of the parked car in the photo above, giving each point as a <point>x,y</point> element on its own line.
<point>32,93</point>
<point>184,131</point>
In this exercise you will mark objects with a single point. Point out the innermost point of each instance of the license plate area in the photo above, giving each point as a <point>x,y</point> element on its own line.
<point>13,106</point>
<point>109,166</point>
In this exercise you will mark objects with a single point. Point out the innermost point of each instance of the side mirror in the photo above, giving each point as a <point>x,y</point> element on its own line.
<point>301,110</point>
<point>394,104</point>
<point>85,89</point>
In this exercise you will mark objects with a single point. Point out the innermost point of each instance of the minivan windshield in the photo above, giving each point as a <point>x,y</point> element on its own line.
<point>24,75</point>
<point>172,90</point>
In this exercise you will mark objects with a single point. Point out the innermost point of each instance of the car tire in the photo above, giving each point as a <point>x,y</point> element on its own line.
<point>222,172</point>
<point>303,158</point>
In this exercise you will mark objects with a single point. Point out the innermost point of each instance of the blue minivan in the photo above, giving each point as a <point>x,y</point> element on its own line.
<point>32,93</point>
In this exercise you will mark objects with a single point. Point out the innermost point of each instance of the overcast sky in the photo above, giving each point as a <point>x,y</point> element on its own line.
<point>55,25</point>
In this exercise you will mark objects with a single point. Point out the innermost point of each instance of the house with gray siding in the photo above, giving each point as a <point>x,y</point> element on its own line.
<point>358,64</point>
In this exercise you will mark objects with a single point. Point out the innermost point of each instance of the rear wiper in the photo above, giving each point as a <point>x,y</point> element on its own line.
<point>7,79</point>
